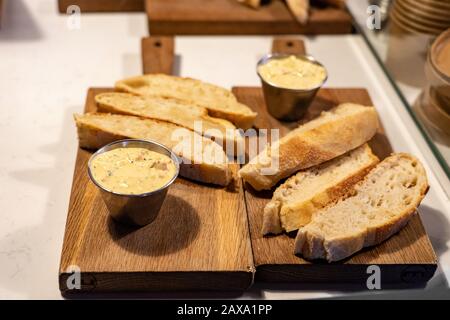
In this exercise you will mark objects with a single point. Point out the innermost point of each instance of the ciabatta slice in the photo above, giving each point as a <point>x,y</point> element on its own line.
<point>330,135</point>
<point>295,201</point>
<point>381,205</point>
<point>205,162</point>
<point>175,111</point>
<point>219,102</point>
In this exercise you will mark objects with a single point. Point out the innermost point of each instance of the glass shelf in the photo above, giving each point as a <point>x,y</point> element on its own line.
<point>407,76</point>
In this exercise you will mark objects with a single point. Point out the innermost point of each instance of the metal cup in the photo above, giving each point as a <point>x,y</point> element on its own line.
<point>135,209</point>
<point>284,103</point>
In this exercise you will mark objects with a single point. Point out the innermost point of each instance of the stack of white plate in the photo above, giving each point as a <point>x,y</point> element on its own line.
<point>414,24</point>
<point>421,16</point>
<point>434,104</point>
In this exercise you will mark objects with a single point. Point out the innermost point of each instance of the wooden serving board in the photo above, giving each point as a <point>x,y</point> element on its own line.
<point>407,257</point>
<point>206,17</point>
<point>200,240</point>
<point>203,239</point>
<point>103,5</point>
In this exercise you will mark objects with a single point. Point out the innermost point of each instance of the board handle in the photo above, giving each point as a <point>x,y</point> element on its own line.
<point>288,45</point>
<point>157,54</point>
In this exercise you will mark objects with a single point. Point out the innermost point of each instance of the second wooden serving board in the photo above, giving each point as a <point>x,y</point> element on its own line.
<point>406,257</point>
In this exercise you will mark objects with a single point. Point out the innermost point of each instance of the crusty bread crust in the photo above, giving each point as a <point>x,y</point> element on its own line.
<point>174,111</point>
<point>274,212</point>
<point>91,137</point>
<point>220,103</point>
<point>304,149</point>
<point>271,219</point>
<point>311,243</point>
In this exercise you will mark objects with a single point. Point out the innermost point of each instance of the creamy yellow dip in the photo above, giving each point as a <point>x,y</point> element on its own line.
<point>293,73</point>
<point>132,170</point>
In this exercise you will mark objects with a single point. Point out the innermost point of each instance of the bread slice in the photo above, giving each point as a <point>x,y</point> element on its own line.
<point>219,102</point>
<point>175,111</point>
<point>205,162</point>
<point>299,9</point>
<point>330,135</point>
<point>381,205</point>
<point>294,202</point>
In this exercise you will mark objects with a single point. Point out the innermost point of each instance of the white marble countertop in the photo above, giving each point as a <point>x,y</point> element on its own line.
<point>45,70</point>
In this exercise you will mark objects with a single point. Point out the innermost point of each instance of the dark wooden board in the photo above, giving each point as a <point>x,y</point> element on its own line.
<point>406,257</point>
<point>103,5</point>
<point>203,17</point>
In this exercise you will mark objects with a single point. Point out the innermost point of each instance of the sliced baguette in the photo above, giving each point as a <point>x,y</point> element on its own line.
<point>219,102</point>
<point>175,111</point>
<point>381,205</point>
<point>330,135</point>
<point>295,201</point>
<point>299,9</point>
<point>207,163</point>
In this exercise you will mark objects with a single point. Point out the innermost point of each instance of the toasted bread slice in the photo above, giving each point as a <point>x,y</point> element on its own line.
<point>332,134</point>
<point>205,162</point>
<point>219,102</point>
<point>295,201</point>
<point>175,111</point>
<point>299,9</point>
<point>381,205</point>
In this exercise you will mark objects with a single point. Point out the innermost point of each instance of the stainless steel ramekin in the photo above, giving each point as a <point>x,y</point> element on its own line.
<point>135,209</point>
<point>284,103</point>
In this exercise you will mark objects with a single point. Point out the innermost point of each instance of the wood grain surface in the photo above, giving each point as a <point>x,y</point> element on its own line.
<point>200,240</point>
<point>203,17</point>
<point>406,257</point>
<point>103,5</point>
